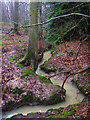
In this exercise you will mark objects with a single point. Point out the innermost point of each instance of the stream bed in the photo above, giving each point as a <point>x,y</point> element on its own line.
<point>73,95</point>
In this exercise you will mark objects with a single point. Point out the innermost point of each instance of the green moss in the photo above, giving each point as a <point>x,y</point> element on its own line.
<point>30,113</point>
<point>28,71</point>
<point>44,79</point>
<point>50,110</point>
<point>27,98</point>
<point>47,68</point>
<point>4,36</point>
<point>20,41</point>
<point>56,50</point>
<point>6,43</point>
<point>60,69</point>
<point>62,54</point>
<point>14,116</point>
<point>11,43</point>
<point>68,112</point>
<point>81,87</point>
<point>16,38</point>
<point>2,42</point>
<point>68,59</point>
<point>77,114</point>
<point>20,65</point>
<point>49,117</point>
<point>10,59</point>
<point>18,91</point>
<point>58,86</point>
<point>52,51</point>
<point>36,99</point>
<point>16,57</point>
<point>53,99</point>
<point>85,84</point>
<point>59,109</point>
<point>71,48</point>
<point>30,97</point>
<point>83,73</point>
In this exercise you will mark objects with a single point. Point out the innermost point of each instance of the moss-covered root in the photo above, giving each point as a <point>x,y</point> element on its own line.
<point>24,62</point>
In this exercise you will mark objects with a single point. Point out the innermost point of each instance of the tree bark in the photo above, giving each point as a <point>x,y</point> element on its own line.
<point>31,56</point>
<point>16,18</point>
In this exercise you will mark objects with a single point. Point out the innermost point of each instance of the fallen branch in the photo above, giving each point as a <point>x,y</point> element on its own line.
<point>80,14</point>
<point>54,18</point>
<point>73,74</point>
<point>55,75</point>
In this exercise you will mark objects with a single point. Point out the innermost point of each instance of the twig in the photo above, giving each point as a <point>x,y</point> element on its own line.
<point>73,74</point>
<point>78,48</point>
<point>55,75</point>
<point>81,43</point>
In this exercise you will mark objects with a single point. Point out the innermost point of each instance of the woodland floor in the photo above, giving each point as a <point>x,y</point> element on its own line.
<point>63,63</point>
<point>14,48</point>
<point>21,77</point>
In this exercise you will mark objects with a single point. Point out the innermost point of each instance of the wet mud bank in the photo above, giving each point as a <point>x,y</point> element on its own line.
<point>73,96</point>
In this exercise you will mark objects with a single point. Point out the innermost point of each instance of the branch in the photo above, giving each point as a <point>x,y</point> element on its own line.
<point>80,44</point>
<point>55,75</point>
<point>80,14</point>
<point>78,48</point>
<point>72,7</point>
<point>73,74</point>
<point>51,20</point>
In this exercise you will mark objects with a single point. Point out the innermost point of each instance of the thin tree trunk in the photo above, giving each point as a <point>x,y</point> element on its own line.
<point>16,18</point>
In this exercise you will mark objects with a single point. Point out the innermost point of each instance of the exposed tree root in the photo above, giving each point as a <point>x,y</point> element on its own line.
<point>24,62</point>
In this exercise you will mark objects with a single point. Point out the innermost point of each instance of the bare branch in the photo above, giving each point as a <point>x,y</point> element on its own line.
<point>73,74</point>
<point>54,18</point>
<point>78,49</point>
<point>80,44</point>
<point>55,75</point>
<point>80,14</point>
<point>72,7</point>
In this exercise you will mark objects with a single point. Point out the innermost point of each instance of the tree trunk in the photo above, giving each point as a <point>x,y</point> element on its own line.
<point>16,17</point>
<point>40,19</point>
<point>31,56</point>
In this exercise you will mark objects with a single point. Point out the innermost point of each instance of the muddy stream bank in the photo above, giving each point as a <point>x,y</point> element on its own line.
<point>73,95</point>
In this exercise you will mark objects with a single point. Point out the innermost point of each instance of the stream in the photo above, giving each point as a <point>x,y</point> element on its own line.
<point>73,95</point>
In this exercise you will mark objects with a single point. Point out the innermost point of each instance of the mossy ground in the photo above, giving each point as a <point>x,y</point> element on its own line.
<point>14,116</point>
<point>82,82</point>
<point>44,79</point>
<point>74,111</point>
<point>47,68</point>
<point>33,81</point>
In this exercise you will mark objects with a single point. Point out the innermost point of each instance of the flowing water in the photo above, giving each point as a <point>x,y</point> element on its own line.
<point>73,95</point>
